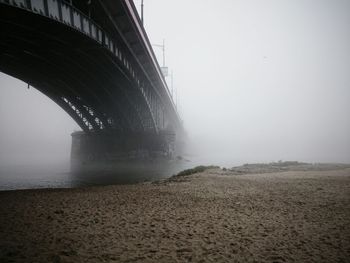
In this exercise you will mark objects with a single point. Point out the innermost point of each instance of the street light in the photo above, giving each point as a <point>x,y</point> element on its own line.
<point>165,73</point>
<point>142,11</point>
<point>164,68</point>
<point>163,49</point>
<point>172,83</point>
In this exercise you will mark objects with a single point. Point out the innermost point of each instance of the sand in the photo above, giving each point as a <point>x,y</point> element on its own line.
<point>214,216</point>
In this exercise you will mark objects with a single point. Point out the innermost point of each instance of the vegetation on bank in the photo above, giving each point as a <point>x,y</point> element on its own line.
<point>284,166</point>
<point>259,168</point>
<point>197,169</point>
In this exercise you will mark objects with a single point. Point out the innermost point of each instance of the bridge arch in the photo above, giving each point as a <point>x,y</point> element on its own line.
<point>57,49</point>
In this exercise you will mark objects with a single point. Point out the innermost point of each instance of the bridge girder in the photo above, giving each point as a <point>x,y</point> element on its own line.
<point>92,76</point>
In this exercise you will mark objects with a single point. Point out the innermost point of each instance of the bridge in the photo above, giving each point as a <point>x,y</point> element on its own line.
<point>94,59</point>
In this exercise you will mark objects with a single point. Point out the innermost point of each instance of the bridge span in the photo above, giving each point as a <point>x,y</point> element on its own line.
<point>94,59</point>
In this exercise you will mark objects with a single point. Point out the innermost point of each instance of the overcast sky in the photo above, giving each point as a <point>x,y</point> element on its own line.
<point>257,81</point>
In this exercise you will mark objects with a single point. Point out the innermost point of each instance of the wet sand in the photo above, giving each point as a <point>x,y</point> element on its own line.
<point>214,216</point>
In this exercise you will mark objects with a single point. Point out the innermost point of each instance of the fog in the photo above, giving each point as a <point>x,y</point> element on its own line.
<point>259,80</point>
<point>256,81</point>
<point>34,130</point>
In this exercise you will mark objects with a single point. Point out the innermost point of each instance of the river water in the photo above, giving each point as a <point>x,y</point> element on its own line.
<point>35,176</point>
<point>32,176</point>
<point>59,175</point>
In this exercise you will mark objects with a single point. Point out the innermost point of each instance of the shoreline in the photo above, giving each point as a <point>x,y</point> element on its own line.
<point>203,217</point>
<point>252,168</point>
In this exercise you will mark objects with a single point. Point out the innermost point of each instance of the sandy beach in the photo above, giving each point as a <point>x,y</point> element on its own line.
<point>213,216</point>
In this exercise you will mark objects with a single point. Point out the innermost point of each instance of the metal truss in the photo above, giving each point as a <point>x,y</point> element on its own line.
<point>147,108</point>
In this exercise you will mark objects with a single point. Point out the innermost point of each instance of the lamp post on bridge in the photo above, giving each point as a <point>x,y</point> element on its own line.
<point>165,73</point>
<point>164,68</point>
<point>142,11</point>
<point>172,83</point>
<point>162,46</point>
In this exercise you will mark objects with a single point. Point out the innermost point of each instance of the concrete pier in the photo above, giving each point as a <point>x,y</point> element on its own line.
<point>113,158</point>
<point>91,149</point>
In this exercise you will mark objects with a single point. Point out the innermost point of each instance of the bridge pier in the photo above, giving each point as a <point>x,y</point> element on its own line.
<point>104,148</point>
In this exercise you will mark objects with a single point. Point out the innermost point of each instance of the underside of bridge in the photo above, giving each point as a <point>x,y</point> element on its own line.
<point>95,61</point>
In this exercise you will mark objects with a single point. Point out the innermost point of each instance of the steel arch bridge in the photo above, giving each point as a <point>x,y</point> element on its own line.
<point>93,58</point>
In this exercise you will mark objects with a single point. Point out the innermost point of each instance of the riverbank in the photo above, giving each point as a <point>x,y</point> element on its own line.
<point>212,216</point>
